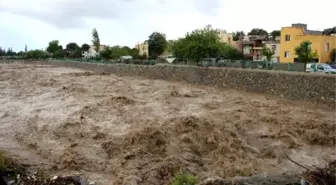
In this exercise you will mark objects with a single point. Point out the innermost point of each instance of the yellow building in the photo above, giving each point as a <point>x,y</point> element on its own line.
<point>226,37</point>
<point>143,49</point>
<point>291,37</point>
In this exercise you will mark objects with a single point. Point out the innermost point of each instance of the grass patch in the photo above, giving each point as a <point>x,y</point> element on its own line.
<point>3,165</point>
<point>183,178</point>
<point>8,166</point>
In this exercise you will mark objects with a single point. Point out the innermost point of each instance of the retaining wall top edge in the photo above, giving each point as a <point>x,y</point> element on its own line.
<point>274,72</point>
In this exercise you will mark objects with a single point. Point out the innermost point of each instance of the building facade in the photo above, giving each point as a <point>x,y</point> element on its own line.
<point>252,47</point>
<point>92,51</point>
<point>226,37</point>
<point>291,37</point>
<point>143,49</point>
<point>275,46</point>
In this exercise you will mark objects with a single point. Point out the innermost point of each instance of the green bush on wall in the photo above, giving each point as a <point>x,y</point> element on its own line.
<point>183,178</point>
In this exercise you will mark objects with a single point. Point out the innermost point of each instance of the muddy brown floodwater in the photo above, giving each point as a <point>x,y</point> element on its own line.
<point>122,129</point>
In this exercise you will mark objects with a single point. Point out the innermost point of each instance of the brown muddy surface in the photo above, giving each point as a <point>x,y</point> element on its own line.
<point>126,129</point>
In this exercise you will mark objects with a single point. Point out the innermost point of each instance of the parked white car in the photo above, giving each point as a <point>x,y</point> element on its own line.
<point>310,67</point>
<point>320,68</point>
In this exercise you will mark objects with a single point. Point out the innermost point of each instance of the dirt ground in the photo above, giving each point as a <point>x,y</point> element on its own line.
<point>117,129</point>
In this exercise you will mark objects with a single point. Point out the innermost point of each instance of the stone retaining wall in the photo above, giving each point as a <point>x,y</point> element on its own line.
<point>292,85</point>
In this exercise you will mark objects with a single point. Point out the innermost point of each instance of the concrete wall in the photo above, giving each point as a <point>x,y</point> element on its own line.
<point>292,85</point>
<point>299,67</point>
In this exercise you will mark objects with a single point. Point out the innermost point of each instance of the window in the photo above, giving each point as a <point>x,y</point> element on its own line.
<point>287,54</point>
<point>273,47</point>
<point>247,50</point>
<point>287,38</point>
<point>326,47</point>
<point>320,66</point>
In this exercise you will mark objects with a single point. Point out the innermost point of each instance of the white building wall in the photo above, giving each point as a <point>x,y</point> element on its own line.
<point>276,48</point>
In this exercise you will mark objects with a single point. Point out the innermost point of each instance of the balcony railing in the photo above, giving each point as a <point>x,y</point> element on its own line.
<point>258,47</point>
<point>258,58</point>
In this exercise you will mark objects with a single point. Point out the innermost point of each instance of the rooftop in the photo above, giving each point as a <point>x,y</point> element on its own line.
<point>305,28</point>
<point>312,32</point>
<point>260,38</point>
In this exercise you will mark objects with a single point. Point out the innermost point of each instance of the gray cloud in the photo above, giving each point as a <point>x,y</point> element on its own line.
<point>208,7</point>
<point>59,20</point>
<point>74,13</point>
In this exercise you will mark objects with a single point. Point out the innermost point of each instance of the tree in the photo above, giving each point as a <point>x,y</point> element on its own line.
<point>156,44</point>
<point>85,47</point>
<point>72,46</point>
<point>95,40</point>
<point>304,52</point>
<point>259,32</point>
<point>333,55</point>
<point>77,53</point>
<point>230,52</point>
<point>203,43</point>
<point>106,52</point>
<point>9,52</point>
<point>329,31</point>
<point>275,33</point>
<point>116,52</point>
<point>59,54</point>
<point>73,50</point>
<point>37,54</point>
<point>135,53</point>
<point>126,50</point>
<point>21,53</point>
<point>53,46</point>
<point>237,34</point>
<point>170,45</point>
<point>2,52</point>
<point>268,53</point>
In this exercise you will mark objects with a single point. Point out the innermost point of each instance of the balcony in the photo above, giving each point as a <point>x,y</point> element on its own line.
<point>257,48</point>
<point>271,42</point>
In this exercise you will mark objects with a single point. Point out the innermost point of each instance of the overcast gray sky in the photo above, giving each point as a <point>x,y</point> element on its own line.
<point>127,22</point>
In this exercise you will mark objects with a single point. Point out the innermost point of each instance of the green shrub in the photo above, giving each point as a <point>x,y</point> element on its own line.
<point>183,178</point>
<point>161,60</point>
<point>3,165</point>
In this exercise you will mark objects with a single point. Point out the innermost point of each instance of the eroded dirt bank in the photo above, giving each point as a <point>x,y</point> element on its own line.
<point>117,129</point>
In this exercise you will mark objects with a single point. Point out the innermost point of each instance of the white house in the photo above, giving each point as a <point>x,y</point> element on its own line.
<point>275,46</point>
<point>92,51</point>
